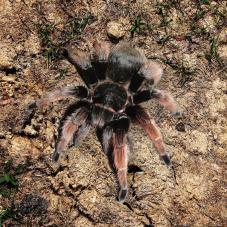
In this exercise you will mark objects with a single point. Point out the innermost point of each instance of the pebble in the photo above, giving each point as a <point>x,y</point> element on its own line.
<point>29,130</point>
<point>115,29</point>
<point>8,79</point>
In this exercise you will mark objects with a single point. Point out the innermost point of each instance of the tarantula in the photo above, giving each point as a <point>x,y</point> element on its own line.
<point>117,80</point>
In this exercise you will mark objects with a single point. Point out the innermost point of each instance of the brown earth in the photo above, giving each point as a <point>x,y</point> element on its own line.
<point>189,39</point>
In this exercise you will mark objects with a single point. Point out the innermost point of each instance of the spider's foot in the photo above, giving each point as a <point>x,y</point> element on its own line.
<point>55,156</point>
<point>166,159</point>
<point>32,105</point>
<point>122,195</point>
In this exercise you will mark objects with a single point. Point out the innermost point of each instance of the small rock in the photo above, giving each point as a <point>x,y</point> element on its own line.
<point>223,36</point>
<point>222,52</point>
<point>115,29</point>
<point>22,148</point>
<point>33,204</point>
<point>9,79</point>
<point>207,23</point>
<point>2,135</point>
<point>200,142</point>
<point>180,127</point>
<point>32,44</point>
<point>190,61</point>
<point>29,130</point>
<point>7,55</point>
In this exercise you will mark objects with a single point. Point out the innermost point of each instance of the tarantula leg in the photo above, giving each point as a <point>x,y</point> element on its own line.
<point>114,140</point>
<point>81,133</point>
<point>68,128</point>
<point>61,93</point>
<point>105,137</point>
<point>164,98</point>
<point>121,162</point>
<point>100,58</point>
<point>140,116</point>
<point>142,96</point>
<point>120,153</point>
<point>155,135</point>
<point>82,63</point>
<point>151,71</point>
<point>167,100</point>
<point>100,116</point>
<point>136,82</point>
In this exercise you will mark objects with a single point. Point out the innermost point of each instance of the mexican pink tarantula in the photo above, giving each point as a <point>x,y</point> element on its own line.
<point>117,80</point>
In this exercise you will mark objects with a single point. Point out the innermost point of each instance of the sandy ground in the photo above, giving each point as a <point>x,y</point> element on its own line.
<point>189,40</point>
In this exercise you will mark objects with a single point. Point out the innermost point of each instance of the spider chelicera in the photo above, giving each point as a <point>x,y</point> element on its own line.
<point>117,79</point>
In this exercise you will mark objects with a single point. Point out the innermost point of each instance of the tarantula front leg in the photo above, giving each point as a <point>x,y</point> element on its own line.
<point>140,116</point>
<point>71,127</point>
<point>167,101</point>
<point>105,136</point>
<point>151,71</point>
<point>163,97</point>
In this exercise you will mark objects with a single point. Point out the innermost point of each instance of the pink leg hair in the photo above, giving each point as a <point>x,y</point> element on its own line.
<point>153,132</point>
<point>121,163</point>
<point>78,57</point>
<point>155,135</point>
<point>101,50</point>
<point>55,95</point>
<point>70,126</point>
<point>167,101</point>
<point>107,139</point>
<point>151,71</point>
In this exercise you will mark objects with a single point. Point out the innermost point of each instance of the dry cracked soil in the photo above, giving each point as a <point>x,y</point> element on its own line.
<point>189,40</point>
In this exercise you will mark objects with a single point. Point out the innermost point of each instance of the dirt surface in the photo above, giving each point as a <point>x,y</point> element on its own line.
<point>189,40</point>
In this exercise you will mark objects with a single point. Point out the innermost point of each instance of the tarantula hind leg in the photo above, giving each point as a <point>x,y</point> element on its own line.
<point>140,116</point>
<point>105,136</point>
<point>120,153</point>
<point>113,139</point>
<point>74,123</point>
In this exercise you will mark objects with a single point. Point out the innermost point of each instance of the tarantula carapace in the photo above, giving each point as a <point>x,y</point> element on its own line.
<point>117,80</point>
